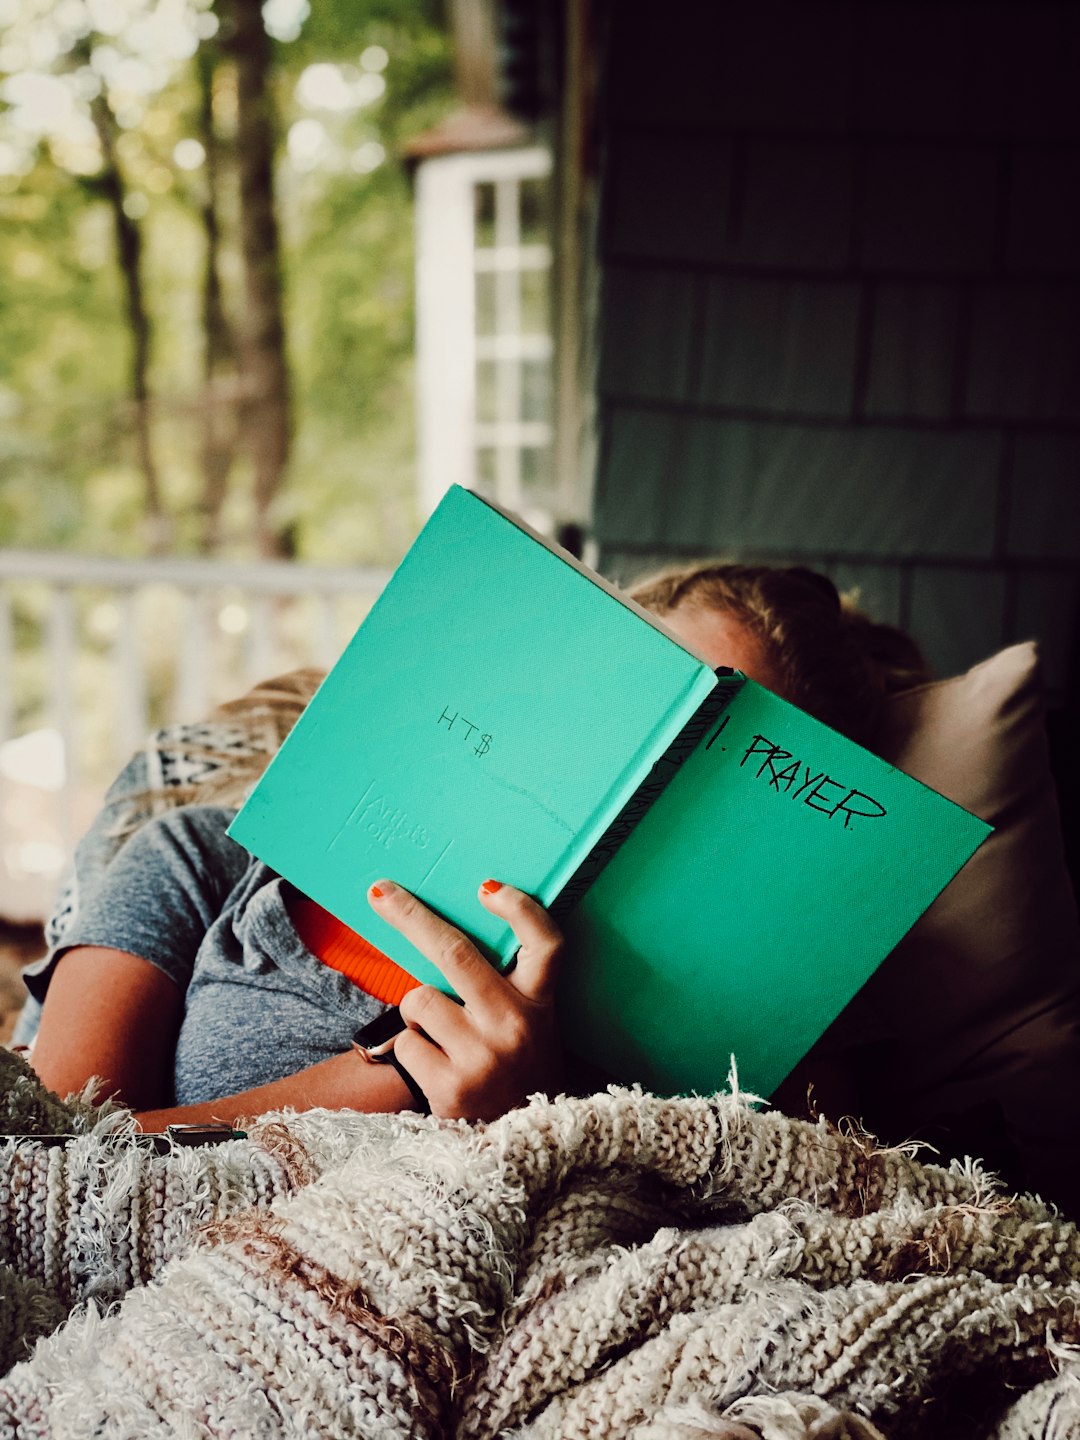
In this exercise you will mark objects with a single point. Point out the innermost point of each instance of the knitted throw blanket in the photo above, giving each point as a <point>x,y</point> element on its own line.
<point>88,1217</point>
<point>618,1266</point>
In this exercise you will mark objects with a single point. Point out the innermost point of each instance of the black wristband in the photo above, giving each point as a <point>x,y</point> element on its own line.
<point>421,1105</point>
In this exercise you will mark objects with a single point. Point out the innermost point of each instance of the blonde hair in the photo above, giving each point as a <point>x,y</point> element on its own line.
<point>834,661</point>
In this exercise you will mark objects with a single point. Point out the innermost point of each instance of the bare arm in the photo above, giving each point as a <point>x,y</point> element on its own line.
<point>111,1015</point>
<point>115,1016</point>
<point>343,1082</point>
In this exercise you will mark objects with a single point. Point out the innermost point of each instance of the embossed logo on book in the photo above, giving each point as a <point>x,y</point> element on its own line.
<point>386,823</point>
<point>383,822</point>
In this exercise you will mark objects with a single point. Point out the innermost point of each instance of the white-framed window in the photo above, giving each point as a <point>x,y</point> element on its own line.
<point>483,330</point>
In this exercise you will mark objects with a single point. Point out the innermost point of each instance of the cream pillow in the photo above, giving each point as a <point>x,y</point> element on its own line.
<point>969,1034</point>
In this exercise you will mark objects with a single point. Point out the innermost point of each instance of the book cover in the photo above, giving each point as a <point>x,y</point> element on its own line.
<point>491,716</point>
<point>758,893</point>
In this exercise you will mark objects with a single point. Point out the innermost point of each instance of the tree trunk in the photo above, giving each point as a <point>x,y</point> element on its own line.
<point>218,413</point>
<point>129,253</point>
<point>267,427</point>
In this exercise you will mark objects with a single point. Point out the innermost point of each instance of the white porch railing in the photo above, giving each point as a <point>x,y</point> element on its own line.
<point>94,653</point>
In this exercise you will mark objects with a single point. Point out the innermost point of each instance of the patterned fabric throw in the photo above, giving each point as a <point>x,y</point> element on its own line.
<point>618,1266</point>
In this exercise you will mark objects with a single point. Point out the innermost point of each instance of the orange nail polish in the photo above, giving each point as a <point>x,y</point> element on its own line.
<point>376,892</point>
<point>490,886</point>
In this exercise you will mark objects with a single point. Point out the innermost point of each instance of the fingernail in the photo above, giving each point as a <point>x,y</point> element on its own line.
<point>382,890</point>
<point>490,886</point>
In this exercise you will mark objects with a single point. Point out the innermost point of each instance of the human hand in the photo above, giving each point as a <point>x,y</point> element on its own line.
<point>478,1059</point>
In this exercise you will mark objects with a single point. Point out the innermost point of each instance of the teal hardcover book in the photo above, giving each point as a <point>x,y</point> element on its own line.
<point>728,870</point>
<point>495,710</point>
<point>774,872</point>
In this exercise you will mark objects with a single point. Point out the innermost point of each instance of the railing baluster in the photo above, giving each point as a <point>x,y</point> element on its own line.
<point>327,644</point>
<point>7,666</point>
<point>261,650</point>
<point>130,678</point>
<point>191,694</point>
<point>60,649</point>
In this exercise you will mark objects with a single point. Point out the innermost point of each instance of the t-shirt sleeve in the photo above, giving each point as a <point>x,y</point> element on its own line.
<point>159,894</point>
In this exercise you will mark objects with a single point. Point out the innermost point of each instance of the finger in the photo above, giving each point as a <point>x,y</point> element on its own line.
<point>439,1016</point>
<point>455,956</point>
<point>537,966</point>
<point>424,1061</point>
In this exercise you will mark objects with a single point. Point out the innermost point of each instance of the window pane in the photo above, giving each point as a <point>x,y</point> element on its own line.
<point>485,213</point>
<point>535,470</point>
<point>535,315</point>
<point>485,303</point>
<point>485,469</point>
<point>535,389</point>
<point>534,214</point>
<point>486,401</point>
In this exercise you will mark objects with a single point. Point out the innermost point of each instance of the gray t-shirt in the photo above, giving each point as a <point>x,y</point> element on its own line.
<point>258,1005</point>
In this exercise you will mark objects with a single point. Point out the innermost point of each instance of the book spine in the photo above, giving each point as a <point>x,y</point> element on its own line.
<point>689,737</point>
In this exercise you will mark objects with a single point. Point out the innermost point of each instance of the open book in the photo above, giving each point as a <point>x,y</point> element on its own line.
<point>711,850</point>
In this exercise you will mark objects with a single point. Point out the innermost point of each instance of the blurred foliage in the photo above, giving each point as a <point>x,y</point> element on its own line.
<point>353,80</point>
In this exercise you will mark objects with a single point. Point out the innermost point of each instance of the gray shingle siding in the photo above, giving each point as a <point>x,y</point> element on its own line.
<point>840,259</point>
